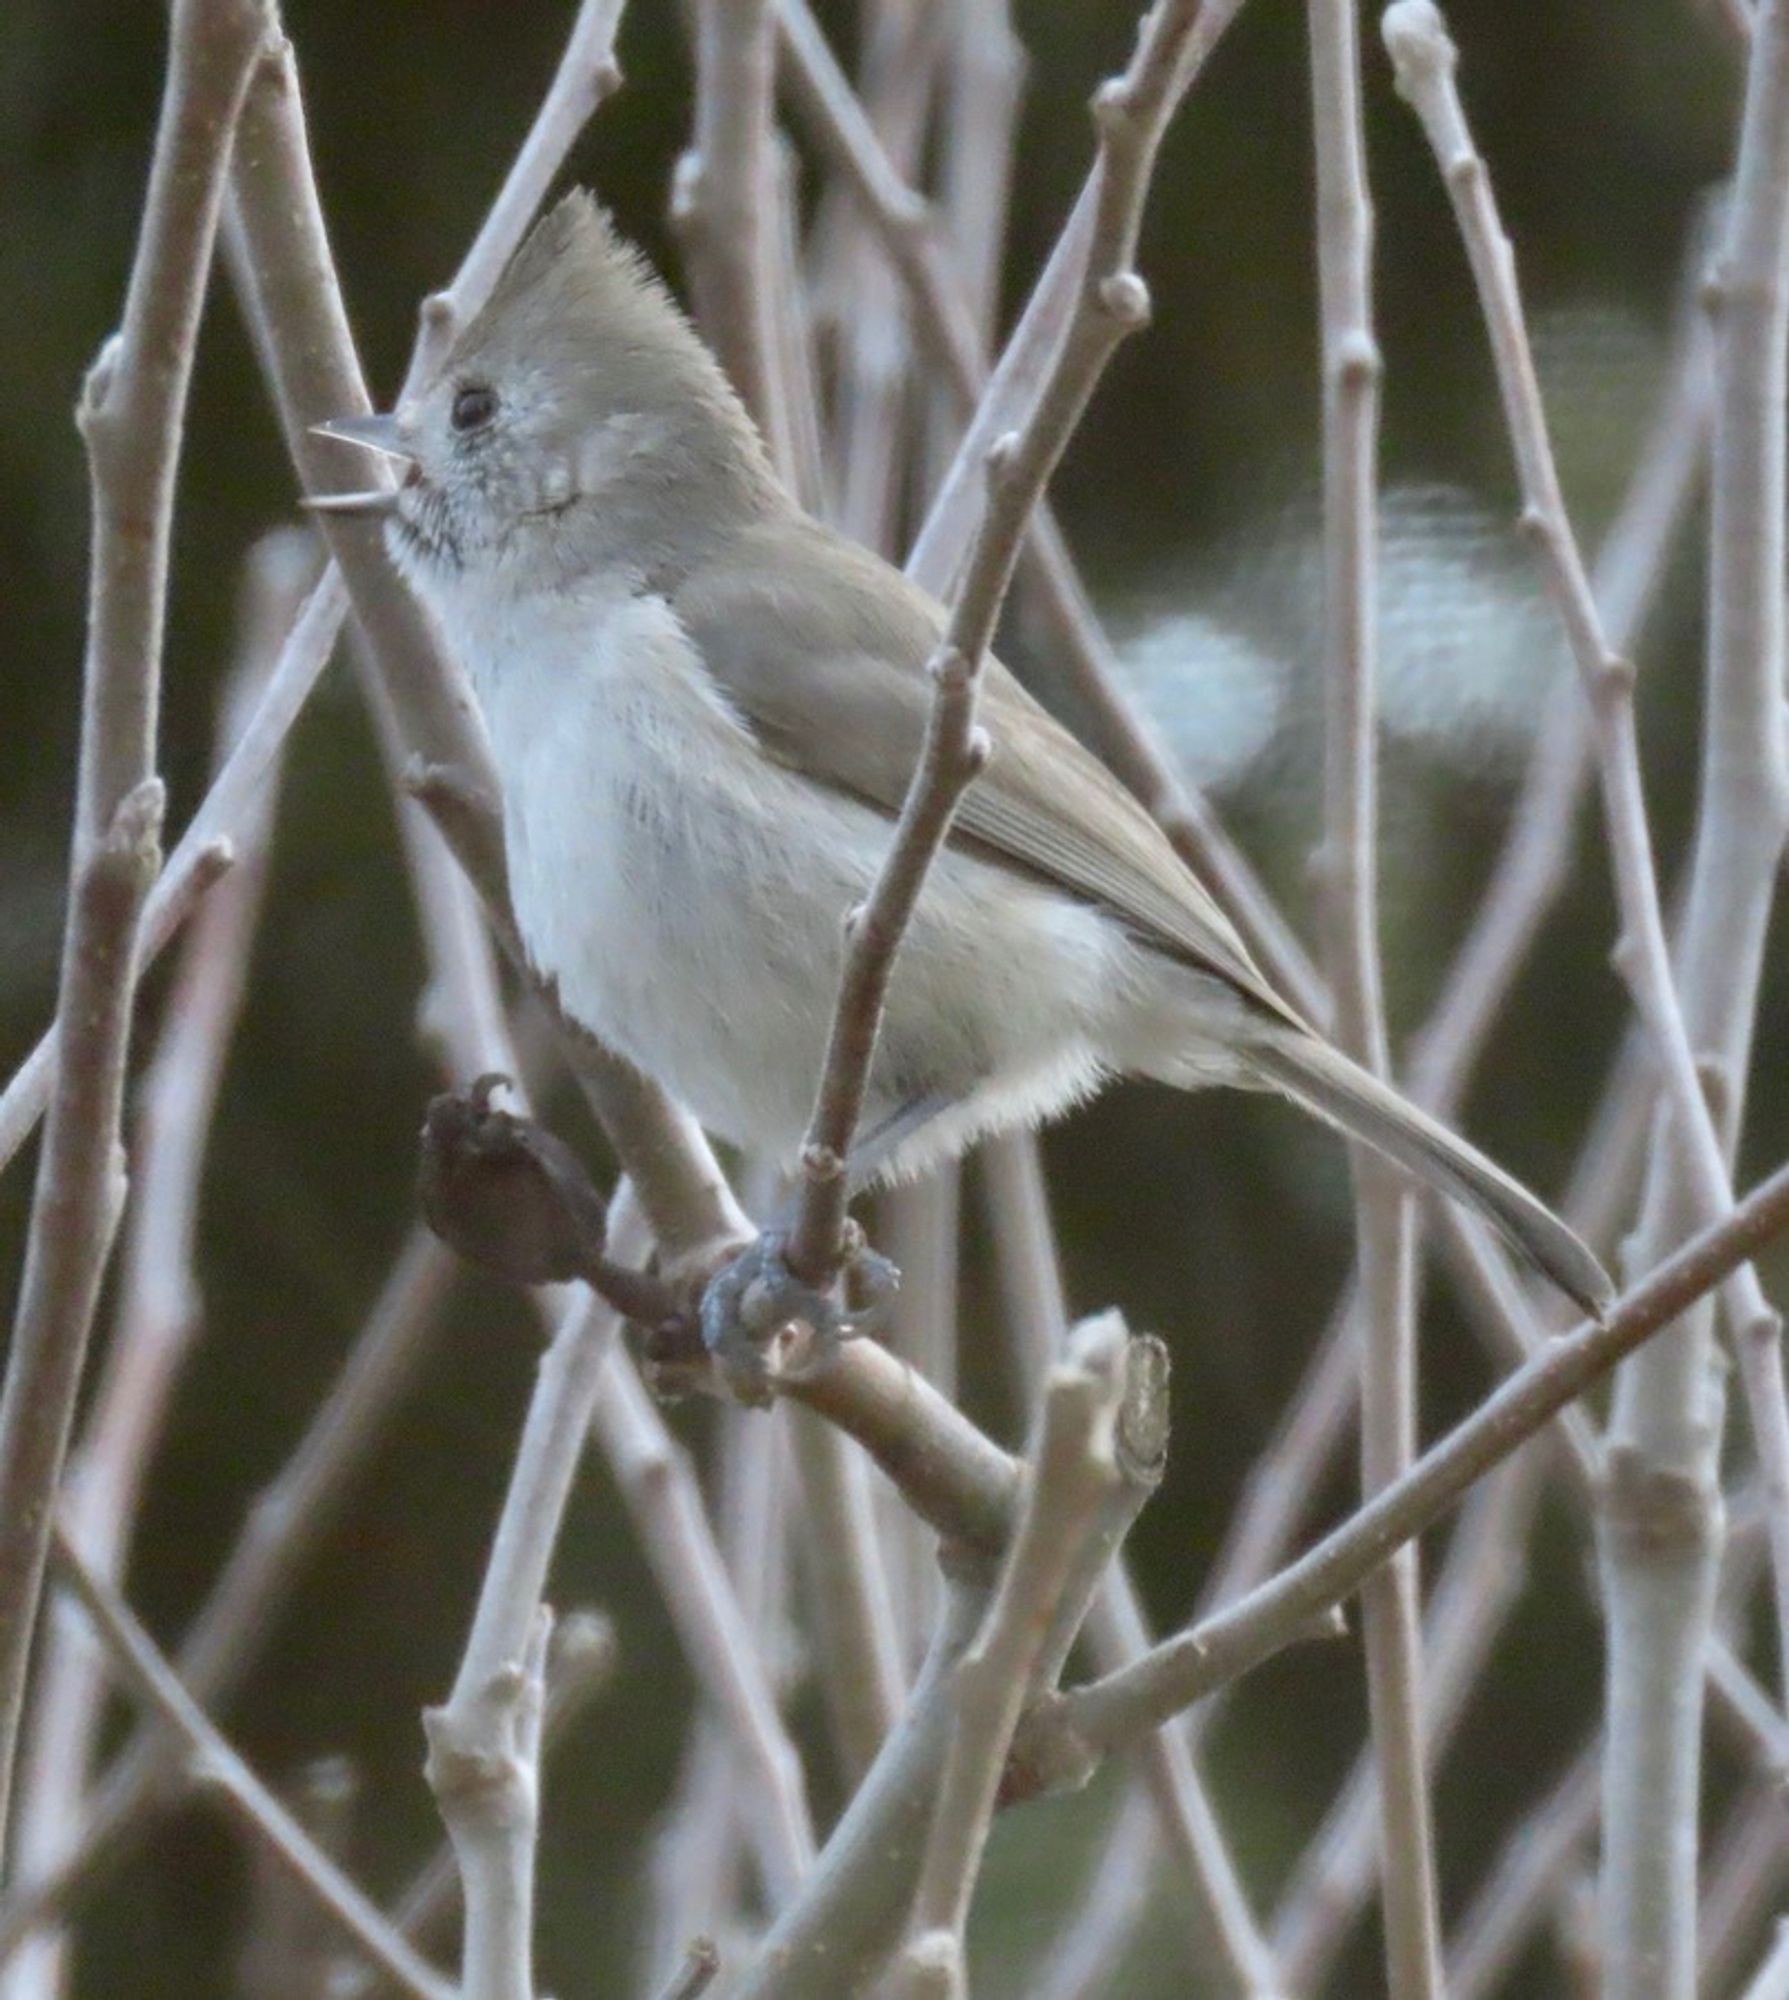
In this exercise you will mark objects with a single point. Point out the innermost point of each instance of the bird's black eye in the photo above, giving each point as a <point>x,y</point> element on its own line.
<point>473,407</point>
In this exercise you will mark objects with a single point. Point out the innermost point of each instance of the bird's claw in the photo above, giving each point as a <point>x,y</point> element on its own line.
<point>749,1303</point>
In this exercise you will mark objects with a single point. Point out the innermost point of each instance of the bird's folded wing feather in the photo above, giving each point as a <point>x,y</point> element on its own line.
<point>825,663</point>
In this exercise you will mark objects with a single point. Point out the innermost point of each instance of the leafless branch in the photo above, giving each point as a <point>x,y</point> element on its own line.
<point>158,1314</point>
<point>1661,1508</point>
<point>283,1527</point>
<point>660,1490</point>
<point>1130,113</point>
<point>1478,1585</point>
<point>1537,1853</point>
<point>484,1740</point>
<point>1067,1736</point>
<point>725,206</point>
<point>131,416</point>
<point>580,1663</point>
<point>1385,1215</point>
<point>1074,1471</point>
<point>156,1684</point>
<point>1227,1950</point>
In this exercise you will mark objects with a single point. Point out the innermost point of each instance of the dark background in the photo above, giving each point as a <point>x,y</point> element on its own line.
<point>1220,1222</point>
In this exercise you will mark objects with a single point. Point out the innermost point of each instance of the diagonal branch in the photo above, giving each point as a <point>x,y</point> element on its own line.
<point>158,1686</point>
<point>1063,1740</point>
<point>1131,112</point>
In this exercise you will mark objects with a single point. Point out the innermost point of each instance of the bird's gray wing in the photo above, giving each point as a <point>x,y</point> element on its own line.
<point>821,648</point>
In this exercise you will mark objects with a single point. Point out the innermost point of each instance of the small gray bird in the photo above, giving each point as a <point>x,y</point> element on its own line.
<point>706,708</point>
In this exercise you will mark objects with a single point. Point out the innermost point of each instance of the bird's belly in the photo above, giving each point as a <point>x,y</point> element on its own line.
<point>691,907</point>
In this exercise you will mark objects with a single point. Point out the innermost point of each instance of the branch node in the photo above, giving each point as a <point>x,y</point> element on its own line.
<point>1002,458</point>
<point>1114,108</point>
<point>949,666</point>
<point>1356,360</point>
<point>132,842</point>
<point>1614,678</point>
<point>96,387</point>
<point>1125,297</point>
<point>1422,51</point>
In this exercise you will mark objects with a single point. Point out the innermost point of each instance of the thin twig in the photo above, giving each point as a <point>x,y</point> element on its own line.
<point>586,75</point>
<point>159,1305</point>
<point>1537,1853</point>
<point>1473,1596</point>
<point>291,1950</point>
<point>945,320</point>
<point>1227,1951</point>
<point>724,206</point>
<point>131,416</point>
<point>1742,827</point>
<point>284,1525</point>
<point>1131,111</point>
<point>1771,1980</point>
<point>1385,1215</point>
<point>731,203</point>
<point>834,1937</point>
<point>660,1490</point>
<point>1743,1884</point>
<point>1068,1736</point>
<point>484,1740</point>
<point>1080,1959</point>
<point>581,1659</point>
<point>156,1684</point>
<point>1661,1526</point>
<point>1075,1467</point>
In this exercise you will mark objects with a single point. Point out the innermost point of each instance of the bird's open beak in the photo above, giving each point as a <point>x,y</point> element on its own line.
<point>374,432</point>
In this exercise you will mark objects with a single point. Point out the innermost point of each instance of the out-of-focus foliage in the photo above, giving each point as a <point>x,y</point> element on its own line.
<point>1220,1222</point>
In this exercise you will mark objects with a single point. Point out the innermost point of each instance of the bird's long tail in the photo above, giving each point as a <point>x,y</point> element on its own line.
<point>1330,1086</point>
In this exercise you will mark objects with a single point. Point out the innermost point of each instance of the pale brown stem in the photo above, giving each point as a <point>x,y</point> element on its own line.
<point>158,1314</point>
<point>131,416</point>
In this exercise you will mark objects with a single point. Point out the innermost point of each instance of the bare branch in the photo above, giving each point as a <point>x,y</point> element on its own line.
<point>1478,1586</point>
<point>1227,1948</point>
<point>665,1502</point>
<point>159,1306</point>
<point>132,414</point>
<point>580,1663</point>
<point>724,205</point>
<point>1062,1739</point>
<point>1130,111</point>
<point>587,76</point>
<point>1771,1981</point>
<point>484,1740</point>
<point>1537,1854</point>
<point>1661,1509</point>
<point>297,307</point>
<point>283,1527</point>
<point>156,1684</point>
<point>1075,1469</point>
<point>1385,1241</point>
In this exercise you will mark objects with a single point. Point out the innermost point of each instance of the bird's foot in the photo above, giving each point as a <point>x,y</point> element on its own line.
<point>754,1307</point>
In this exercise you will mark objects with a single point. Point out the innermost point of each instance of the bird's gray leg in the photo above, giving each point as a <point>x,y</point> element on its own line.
<point>753,1298</point>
